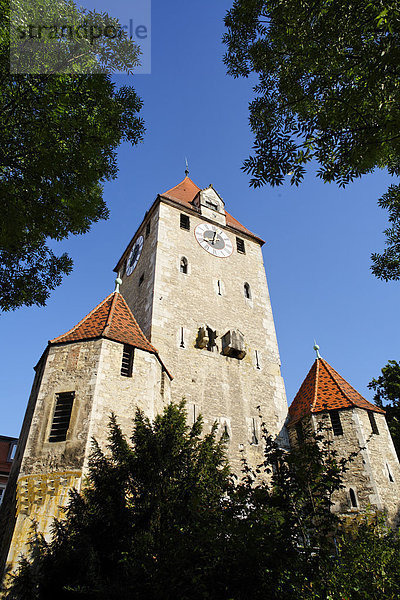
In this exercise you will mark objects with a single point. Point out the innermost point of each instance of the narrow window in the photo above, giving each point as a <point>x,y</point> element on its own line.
<point>240,246</point>
<point>389,473</point>
<point>299,433</point>
<point>127,361</point>
<point>336,422</point>
<point>247,292</point>
<point>372,421</point>
<point>185,222</point>
<point>194,413</point>
<point>184,265</point>
<point>148,229</point>
<point>61,417</point>
<point>182,344</point>
<point>141,279</point>
<point>353,499</point>
<point>257,360</point>
<point>254,438</point>
<point>226,432</point>
<point>219,288</point>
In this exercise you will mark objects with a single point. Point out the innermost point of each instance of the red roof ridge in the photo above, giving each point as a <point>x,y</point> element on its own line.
<point>95,325</point>
<point>185,192</point>
<point>55,340</point>
<point>186,178</point>
<point>111,313</point>
<point>332,373</point>
<point>325,389</point>
<point>315,386</point>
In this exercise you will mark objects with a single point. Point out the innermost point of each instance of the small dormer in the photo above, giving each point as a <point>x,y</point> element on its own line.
<point>211,205</point>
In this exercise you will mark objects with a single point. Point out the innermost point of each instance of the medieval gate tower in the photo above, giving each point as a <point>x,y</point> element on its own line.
<point>190,318</point>
<point>195,280</point>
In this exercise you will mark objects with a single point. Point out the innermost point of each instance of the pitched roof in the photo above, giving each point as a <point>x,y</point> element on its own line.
<point>111,319</point>
<point>185,192</point>
<point>324,389</point>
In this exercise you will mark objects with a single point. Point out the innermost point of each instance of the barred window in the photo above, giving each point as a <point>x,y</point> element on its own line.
<point>61,417</point>
<point>127,361</point>
<point>336,422</point>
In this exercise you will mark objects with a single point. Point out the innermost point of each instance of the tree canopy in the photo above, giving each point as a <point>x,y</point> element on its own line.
<point>387,396</point>
<point>162,518</point>
<point>59,133</point>
<point>328,89</point>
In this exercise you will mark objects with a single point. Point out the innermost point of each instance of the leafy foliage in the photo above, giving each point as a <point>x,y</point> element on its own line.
<point>387,396</point>
<point>58,140</point>
<point>367,564</point>
<point>328,91</point>
<point>162,518</point>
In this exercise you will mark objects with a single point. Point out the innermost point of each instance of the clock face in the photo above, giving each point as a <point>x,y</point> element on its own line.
<point>213,240</point>
<point>134,256</point>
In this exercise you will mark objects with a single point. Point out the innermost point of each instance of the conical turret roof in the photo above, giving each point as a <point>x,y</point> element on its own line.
<point>324,389</point>
<point>111,319</point>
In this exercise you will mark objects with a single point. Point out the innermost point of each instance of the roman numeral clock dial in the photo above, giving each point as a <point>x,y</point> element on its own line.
<point>213,240</point>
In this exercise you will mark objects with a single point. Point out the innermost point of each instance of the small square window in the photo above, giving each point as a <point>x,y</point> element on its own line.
<point>240,246</point>
<point>372,421</point>
<point>336,422</point>
<point>185,222</point>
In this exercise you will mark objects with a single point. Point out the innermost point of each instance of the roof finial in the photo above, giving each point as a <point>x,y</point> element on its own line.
<point>118,282</point>
<point>187,167</point>
<point>316,348</point>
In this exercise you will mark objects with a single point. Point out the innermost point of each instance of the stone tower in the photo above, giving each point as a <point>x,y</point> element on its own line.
<point>354,425</point>
<point>104,364</point>
<point>195,279</point>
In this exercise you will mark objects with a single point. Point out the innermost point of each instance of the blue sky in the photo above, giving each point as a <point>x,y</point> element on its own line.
<point>319,238</point>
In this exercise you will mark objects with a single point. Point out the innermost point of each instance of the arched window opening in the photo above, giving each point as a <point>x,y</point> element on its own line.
<point>247,291</point>
<point>353,499</point>
<point>184,265</point>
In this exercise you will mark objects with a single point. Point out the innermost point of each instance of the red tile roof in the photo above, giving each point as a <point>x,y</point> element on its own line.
<point>111,319</point>
<point>324,389</point>
<point>185,192</point>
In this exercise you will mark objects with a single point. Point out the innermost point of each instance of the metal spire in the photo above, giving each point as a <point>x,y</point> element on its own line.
<point>118,282</point>
<point>187,167</point>
<point>316,348</point>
